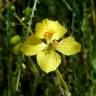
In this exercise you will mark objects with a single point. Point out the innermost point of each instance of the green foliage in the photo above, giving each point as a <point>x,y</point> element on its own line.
<point>21,75</point>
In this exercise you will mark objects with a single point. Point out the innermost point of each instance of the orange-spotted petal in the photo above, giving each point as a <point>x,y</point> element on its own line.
<point>49,28</point>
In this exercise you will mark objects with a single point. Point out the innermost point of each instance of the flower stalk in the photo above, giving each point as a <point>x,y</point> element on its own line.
<point>64,83</point>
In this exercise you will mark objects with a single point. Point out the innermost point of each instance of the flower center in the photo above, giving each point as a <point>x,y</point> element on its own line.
<point>48,35</point>
<point>51,46</point>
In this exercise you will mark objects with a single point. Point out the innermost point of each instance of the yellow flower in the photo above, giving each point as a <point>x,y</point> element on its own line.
<point>44,43</point>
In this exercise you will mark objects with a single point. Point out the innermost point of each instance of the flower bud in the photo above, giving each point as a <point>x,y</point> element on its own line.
<point>15,39</point>
<point>16,48</point>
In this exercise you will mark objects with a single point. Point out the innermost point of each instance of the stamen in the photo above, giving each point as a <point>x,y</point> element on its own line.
<point>55,43</point>
<point>48,35</point>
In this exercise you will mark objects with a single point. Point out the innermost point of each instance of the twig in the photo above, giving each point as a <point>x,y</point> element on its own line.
<point>67,5</point>
<point>64,84</point>
<point>21,21</point>
<point>93,14</point>
<point>32,15</point>
<point>18,79</point>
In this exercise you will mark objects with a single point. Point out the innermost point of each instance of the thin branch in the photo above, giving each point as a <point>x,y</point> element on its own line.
<point>67,5</point>
<point>22,23</point>
<point>32,14</point>
<point>93,14</point>
<point>18,79</point>
<point>64,84</point>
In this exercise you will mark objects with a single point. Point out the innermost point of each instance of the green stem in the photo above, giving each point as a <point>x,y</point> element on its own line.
<point>32,15</point>
<point>64,83</point>
<point>19,68</point>
<point>33,65</point>
<point>36,76</point>
<point>93,14</point>
<point>18,79</point>
<point>66,91</point>
<point>67,5</point>
<point>23,23</point>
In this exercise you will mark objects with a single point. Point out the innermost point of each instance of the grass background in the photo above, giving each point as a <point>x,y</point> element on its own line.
<point>79,71</point>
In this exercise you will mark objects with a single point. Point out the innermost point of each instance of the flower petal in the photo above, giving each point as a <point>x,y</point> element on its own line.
<point>68,46</point>
<point>32,46</point>
<point>48,60</point>
<point>50,26</point>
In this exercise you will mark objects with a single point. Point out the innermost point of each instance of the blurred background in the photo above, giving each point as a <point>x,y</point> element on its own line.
<point>21,75</point>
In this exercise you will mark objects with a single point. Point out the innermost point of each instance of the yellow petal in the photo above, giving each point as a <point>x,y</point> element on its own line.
<point>32,46</point>
<point>48,61</point>
<point>49,26</point>
<point>68,46</point>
